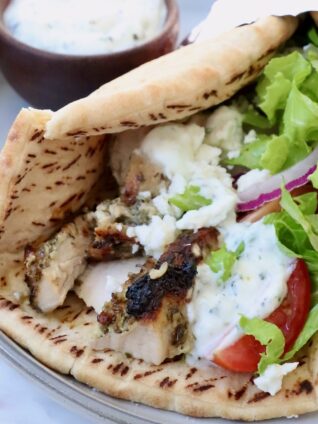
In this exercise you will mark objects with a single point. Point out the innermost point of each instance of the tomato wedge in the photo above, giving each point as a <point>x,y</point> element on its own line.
<point>290,317</point>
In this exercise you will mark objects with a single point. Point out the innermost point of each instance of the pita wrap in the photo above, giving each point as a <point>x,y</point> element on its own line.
<point>47,177</point>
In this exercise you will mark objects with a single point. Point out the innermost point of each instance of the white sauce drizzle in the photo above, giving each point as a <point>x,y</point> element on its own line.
<point>85,27</point>
<point>255,289</point>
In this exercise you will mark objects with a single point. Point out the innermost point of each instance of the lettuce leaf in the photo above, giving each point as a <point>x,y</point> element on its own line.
<point>273,89</point>
<point>276,154</point>
<point>268,335</point>
<point>300,120</point>
<point>314,179</point>
<point>253,118</point>
<point>288,96</point>
<point>294,67</point>
<point>222,261</point>
<point>293,237</point>
<point>310,328</point>
<point>307,203</point>
<point>251,154</point>
<point>190,200</point>
<point>273,95</point>
<point>266,152</point>
<point>309,225</point>
<point>311,54</point>
<point>309,87</point>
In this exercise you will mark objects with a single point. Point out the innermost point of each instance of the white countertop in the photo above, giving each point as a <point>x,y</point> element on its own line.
<point>21,400</point>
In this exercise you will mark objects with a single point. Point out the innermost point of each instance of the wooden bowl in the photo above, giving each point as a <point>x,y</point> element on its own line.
<point>51,80</point>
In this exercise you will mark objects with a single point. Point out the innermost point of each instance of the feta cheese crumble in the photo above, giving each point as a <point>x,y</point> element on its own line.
<point>155,236</point>
<point>272,379</point>
<point>188,161</point>
<point>224,128</point>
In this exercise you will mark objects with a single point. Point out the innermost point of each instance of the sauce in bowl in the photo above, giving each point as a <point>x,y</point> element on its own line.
<point>85,27</point>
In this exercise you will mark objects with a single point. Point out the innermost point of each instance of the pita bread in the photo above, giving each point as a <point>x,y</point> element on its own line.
<point>177,85</point>
<point>315,17</point>
<point>43,182</point>
<point>62,339</point>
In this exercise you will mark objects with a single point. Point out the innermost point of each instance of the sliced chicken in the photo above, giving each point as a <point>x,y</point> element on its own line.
<point>164,337</point>
<point>148,318</point>
<point>52,268</point>
<point>133,171</point>
<point>121,149</point>
<point>142,176</point>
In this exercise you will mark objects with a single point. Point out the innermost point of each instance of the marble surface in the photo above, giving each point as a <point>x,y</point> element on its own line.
<point>21,400</point>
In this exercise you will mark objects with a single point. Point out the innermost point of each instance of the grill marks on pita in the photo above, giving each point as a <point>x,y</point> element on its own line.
<point>43,182</point>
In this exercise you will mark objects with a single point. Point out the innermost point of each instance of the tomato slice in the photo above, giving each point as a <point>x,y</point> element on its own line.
<point>290,317</point>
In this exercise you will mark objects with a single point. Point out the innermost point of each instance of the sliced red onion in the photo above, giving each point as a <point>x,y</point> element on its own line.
<point>294,177</point>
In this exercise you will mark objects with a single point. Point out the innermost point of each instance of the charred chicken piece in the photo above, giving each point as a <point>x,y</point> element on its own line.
<point>112,243</point>
<point>148,318</point>
<point>142,176</point>
<point>112,218</point>
<point>133,171</point>
<point>52,268</point>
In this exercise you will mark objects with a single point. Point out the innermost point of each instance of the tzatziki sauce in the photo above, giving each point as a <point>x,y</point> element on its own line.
<point>256,288</point>
<point>85,27</point>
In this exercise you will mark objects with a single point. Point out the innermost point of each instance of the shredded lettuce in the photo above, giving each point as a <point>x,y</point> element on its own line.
<point>251,154</point>
<point>309,225</point>
<point>311,54</point>
<point>297,229</point>
<point>309,87</point>
<point>288,96</point>
<point>253,118</point>
<point>222,261</point>
<point>294,67</point>
<point>310,328</point>
<point>273,89</point>
<point>268,335</point>
<point>314,179</point>
<point>190,200</point>
<point>267,152</point>
<point>273,95</point>
<point>300,119</point>
<point>276,154</point>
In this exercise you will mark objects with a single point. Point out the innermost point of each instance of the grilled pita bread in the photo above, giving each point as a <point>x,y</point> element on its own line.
<point>191,79</point>
<point>43,182</point>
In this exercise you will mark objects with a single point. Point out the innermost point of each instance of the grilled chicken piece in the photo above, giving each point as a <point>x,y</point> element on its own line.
<point>52,268</point>
<point>148,318</point>
<point>133,171</point>
<point>121,149</point>
<point>142,176</point>
<point>112,219</point>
